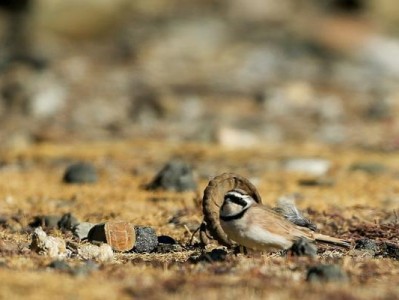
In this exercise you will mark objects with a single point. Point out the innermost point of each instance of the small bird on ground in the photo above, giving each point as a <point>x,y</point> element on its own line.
<point>255,226</point>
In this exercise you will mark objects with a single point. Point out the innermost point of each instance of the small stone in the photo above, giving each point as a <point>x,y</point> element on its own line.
<point>390,250</point>
<point>326,273</point>
<point>325,182</point>
<point>165,239</point>
<point>49,221</point>
<point>369,167</point>
<point>366,244</point>
<point>311,166</point>
<point>82,230</point>
<point>88,267</point>
<point>303,247</point>
<point>146,240</point>
<point>176,175</point>
<point>60,265</point>
<point>80,173</point>
<point>47,245</point>
<point>67,222</point>
<point>211,256</point>
<point>101,253</point>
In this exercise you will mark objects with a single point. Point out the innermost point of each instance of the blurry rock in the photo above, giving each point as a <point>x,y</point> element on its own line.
<point>146,240</point>
<point>120,235</point>
<point>236,138</point>
<point>167,244</point>
<point>69,18</point>
<point>67,222</point>
<point>366,244</point>
<point>60,265</point>
<point>176,175</point>
<point>49,221</point>
<point>326,273</point>
<point>82,230</point>
<point>303,247</point>
<point>287,208</point>
<point>80,173</point>
<point>369,167</point>
<point>390,250</point>
<point>311,166</point>
<point>328,182</point>
<point>88,267</point>
<point>47,245</point>
<point>101,253</point>
<point>214,255</point>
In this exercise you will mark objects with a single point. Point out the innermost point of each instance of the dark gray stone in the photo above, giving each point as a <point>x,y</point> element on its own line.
<point>49,221</point>
<point>80,173</point>
<point>67,222</point>
<point>366,244</point>
<point>146,240</point>
<point>176,175</point>
<point>303,247</point>
<point>390,250</point>
<point>326,273</point>
<point>60,265</point>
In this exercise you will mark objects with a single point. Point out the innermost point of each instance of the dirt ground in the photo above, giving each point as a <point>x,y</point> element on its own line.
<point>355,204</point>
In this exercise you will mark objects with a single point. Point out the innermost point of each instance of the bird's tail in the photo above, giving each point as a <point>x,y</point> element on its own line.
<point>331,240</point>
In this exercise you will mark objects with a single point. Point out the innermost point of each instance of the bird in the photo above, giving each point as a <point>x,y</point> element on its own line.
<point>258,227</point>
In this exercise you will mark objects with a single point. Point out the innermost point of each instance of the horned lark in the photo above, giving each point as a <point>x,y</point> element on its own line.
<point>257,227</point>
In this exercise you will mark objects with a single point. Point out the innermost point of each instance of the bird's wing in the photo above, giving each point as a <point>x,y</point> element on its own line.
<point>277,224</point>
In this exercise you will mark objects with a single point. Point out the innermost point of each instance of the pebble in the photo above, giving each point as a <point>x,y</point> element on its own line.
<point>54,247</point>
<point>88,267</point>
<point>101,253</point>
<point>369,167</point>
<point>67,222</point>
<point>146,240</point>
<point>60,265</point>
<point>311,166</point>
<point>390,250</point>
<point>366,244</point>
<point>82,230</point>
<point>80,173</point>
<point>303,247</point>
<point>176,175</point>
<point>326,273</point>
<point>167,244</point>
<point>211,256</point>
<point>49,221</point>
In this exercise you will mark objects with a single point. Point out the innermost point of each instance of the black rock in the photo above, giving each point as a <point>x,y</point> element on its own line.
<point>326,273</point>
<point>67,222</point>
<point>303,247</point>
<point>60,265</point>
<point>165,239</point>
<point>49,221</point>
<point>210,256</point>
<point>176,175</point>
<point>80,173</point>
<point>390,250</point>
<point>97,233</point>
<point>366,244</point>
<point>146,240</point>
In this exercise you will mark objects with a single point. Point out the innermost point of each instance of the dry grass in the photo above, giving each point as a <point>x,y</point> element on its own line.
<point>357,205</point>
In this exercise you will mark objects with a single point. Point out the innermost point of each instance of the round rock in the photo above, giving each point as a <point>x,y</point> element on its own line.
<point>176,175</point>
<point>326,273</point>
<point>146,240</point>
<point>80,173</point>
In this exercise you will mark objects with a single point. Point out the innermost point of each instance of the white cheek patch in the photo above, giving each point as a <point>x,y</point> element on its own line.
<point>265,237</point>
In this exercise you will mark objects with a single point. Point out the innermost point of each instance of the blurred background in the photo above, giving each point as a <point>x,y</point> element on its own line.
<point>237,73</point>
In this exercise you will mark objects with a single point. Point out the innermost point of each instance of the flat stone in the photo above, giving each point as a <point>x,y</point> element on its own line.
<point>326,273</point>
<point>176,175</point>
<point>80,173</point>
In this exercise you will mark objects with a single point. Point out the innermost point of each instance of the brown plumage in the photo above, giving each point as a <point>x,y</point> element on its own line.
<point>256,226</point>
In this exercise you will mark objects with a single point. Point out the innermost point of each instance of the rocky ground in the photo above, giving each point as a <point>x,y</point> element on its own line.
<point>298,98</point>
<point>354,196</point>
